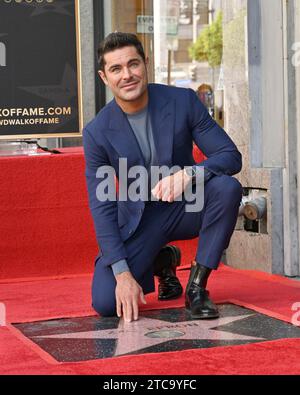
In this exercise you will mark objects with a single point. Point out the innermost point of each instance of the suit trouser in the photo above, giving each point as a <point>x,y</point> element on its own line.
<point>163,222</point>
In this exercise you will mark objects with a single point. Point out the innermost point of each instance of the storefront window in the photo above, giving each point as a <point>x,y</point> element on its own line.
<point>133,16</point>
<point>188,37</point>
<point>184,40</point>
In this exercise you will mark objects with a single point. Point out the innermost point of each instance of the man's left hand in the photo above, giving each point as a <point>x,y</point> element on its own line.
<point>171,187</point>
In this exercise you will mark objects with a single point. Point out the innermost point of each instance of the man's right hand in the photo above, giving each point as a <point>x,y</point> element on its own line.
<point>128,294</point>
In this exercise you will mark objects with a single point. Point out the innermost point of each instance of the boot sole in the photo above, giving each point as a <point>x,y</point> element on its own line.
<point>202,316</point>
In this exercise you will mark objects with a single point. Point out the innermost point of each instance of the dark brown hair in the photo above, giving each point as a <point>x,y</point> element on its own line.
<point>118,40</point>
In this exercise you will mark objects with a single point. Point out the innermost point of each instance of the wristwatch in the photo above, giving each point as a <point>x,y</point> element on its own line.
<point>190,171</point>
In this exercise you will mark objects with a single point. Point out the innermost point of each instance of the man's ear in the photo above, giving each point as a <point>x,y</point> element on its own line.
<point>103,77</point>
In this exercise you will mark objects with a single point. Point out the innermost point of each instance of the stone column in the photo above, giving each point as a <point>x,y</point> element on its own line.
<point>243,97</point>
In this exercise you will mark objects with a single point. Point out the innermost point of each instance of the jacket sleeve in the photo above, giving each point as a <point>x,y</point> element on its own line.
<point>104,213</point>
<point>222,154</point>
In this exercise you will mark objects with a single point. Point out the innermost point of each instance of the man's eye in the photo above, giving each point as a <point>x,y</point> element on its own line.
<point>115,70</point>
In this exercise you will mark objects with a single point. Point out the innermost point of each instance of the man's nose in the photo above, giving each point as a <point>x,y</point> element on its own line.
<point>126,73</point>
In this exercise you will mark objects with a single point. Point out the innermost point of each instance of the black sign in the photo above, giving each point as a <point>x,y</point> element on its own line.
<point>39,69</point>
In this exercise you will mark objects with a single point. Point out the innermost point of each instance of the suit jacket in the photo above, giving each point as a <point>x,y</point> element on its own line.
<point>178,119</point>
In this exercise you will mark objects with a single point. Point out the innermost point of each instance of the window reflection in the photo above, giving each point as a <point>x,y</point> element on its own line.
<point>190,54</point>
<point>189,42</point>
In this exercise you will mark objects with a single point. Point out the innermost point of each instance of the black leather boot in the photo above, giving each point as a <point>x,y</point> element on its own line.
<point>197,297</point>
<point>165,264</point>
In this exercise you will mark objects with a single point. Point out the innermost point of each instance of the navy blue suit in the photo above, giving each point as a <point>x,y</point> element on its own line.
<point>136,231</point>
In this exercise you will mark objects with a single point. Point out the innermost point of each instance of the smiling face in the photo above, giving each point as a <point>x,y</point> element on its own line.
<point>125,73</point>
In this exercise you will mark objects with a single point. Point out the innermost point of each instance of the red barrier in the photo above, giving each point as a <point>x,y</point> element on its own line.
<point>45,225</point>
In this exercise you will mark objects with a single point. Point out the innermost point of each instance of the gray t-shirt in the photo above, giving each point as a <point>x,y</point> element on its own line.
<point>140,123</point>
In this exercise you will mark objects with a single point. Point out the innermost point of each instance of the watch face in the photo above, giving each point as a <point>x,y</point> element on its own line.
<point>190,171</point>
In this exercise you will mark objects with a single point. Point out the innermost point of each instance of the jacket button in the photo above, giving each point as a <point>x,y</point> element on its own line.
<point>130,231</point>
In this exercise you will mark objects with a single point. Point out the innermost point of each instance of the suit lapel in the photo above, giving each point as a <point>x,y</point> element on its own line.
<point>122,138</point>
<point>162,111</point>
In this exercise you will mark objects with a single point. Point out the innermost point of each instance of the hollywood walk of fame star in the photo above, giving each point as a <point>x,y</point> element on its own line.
<point>147,332</point>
